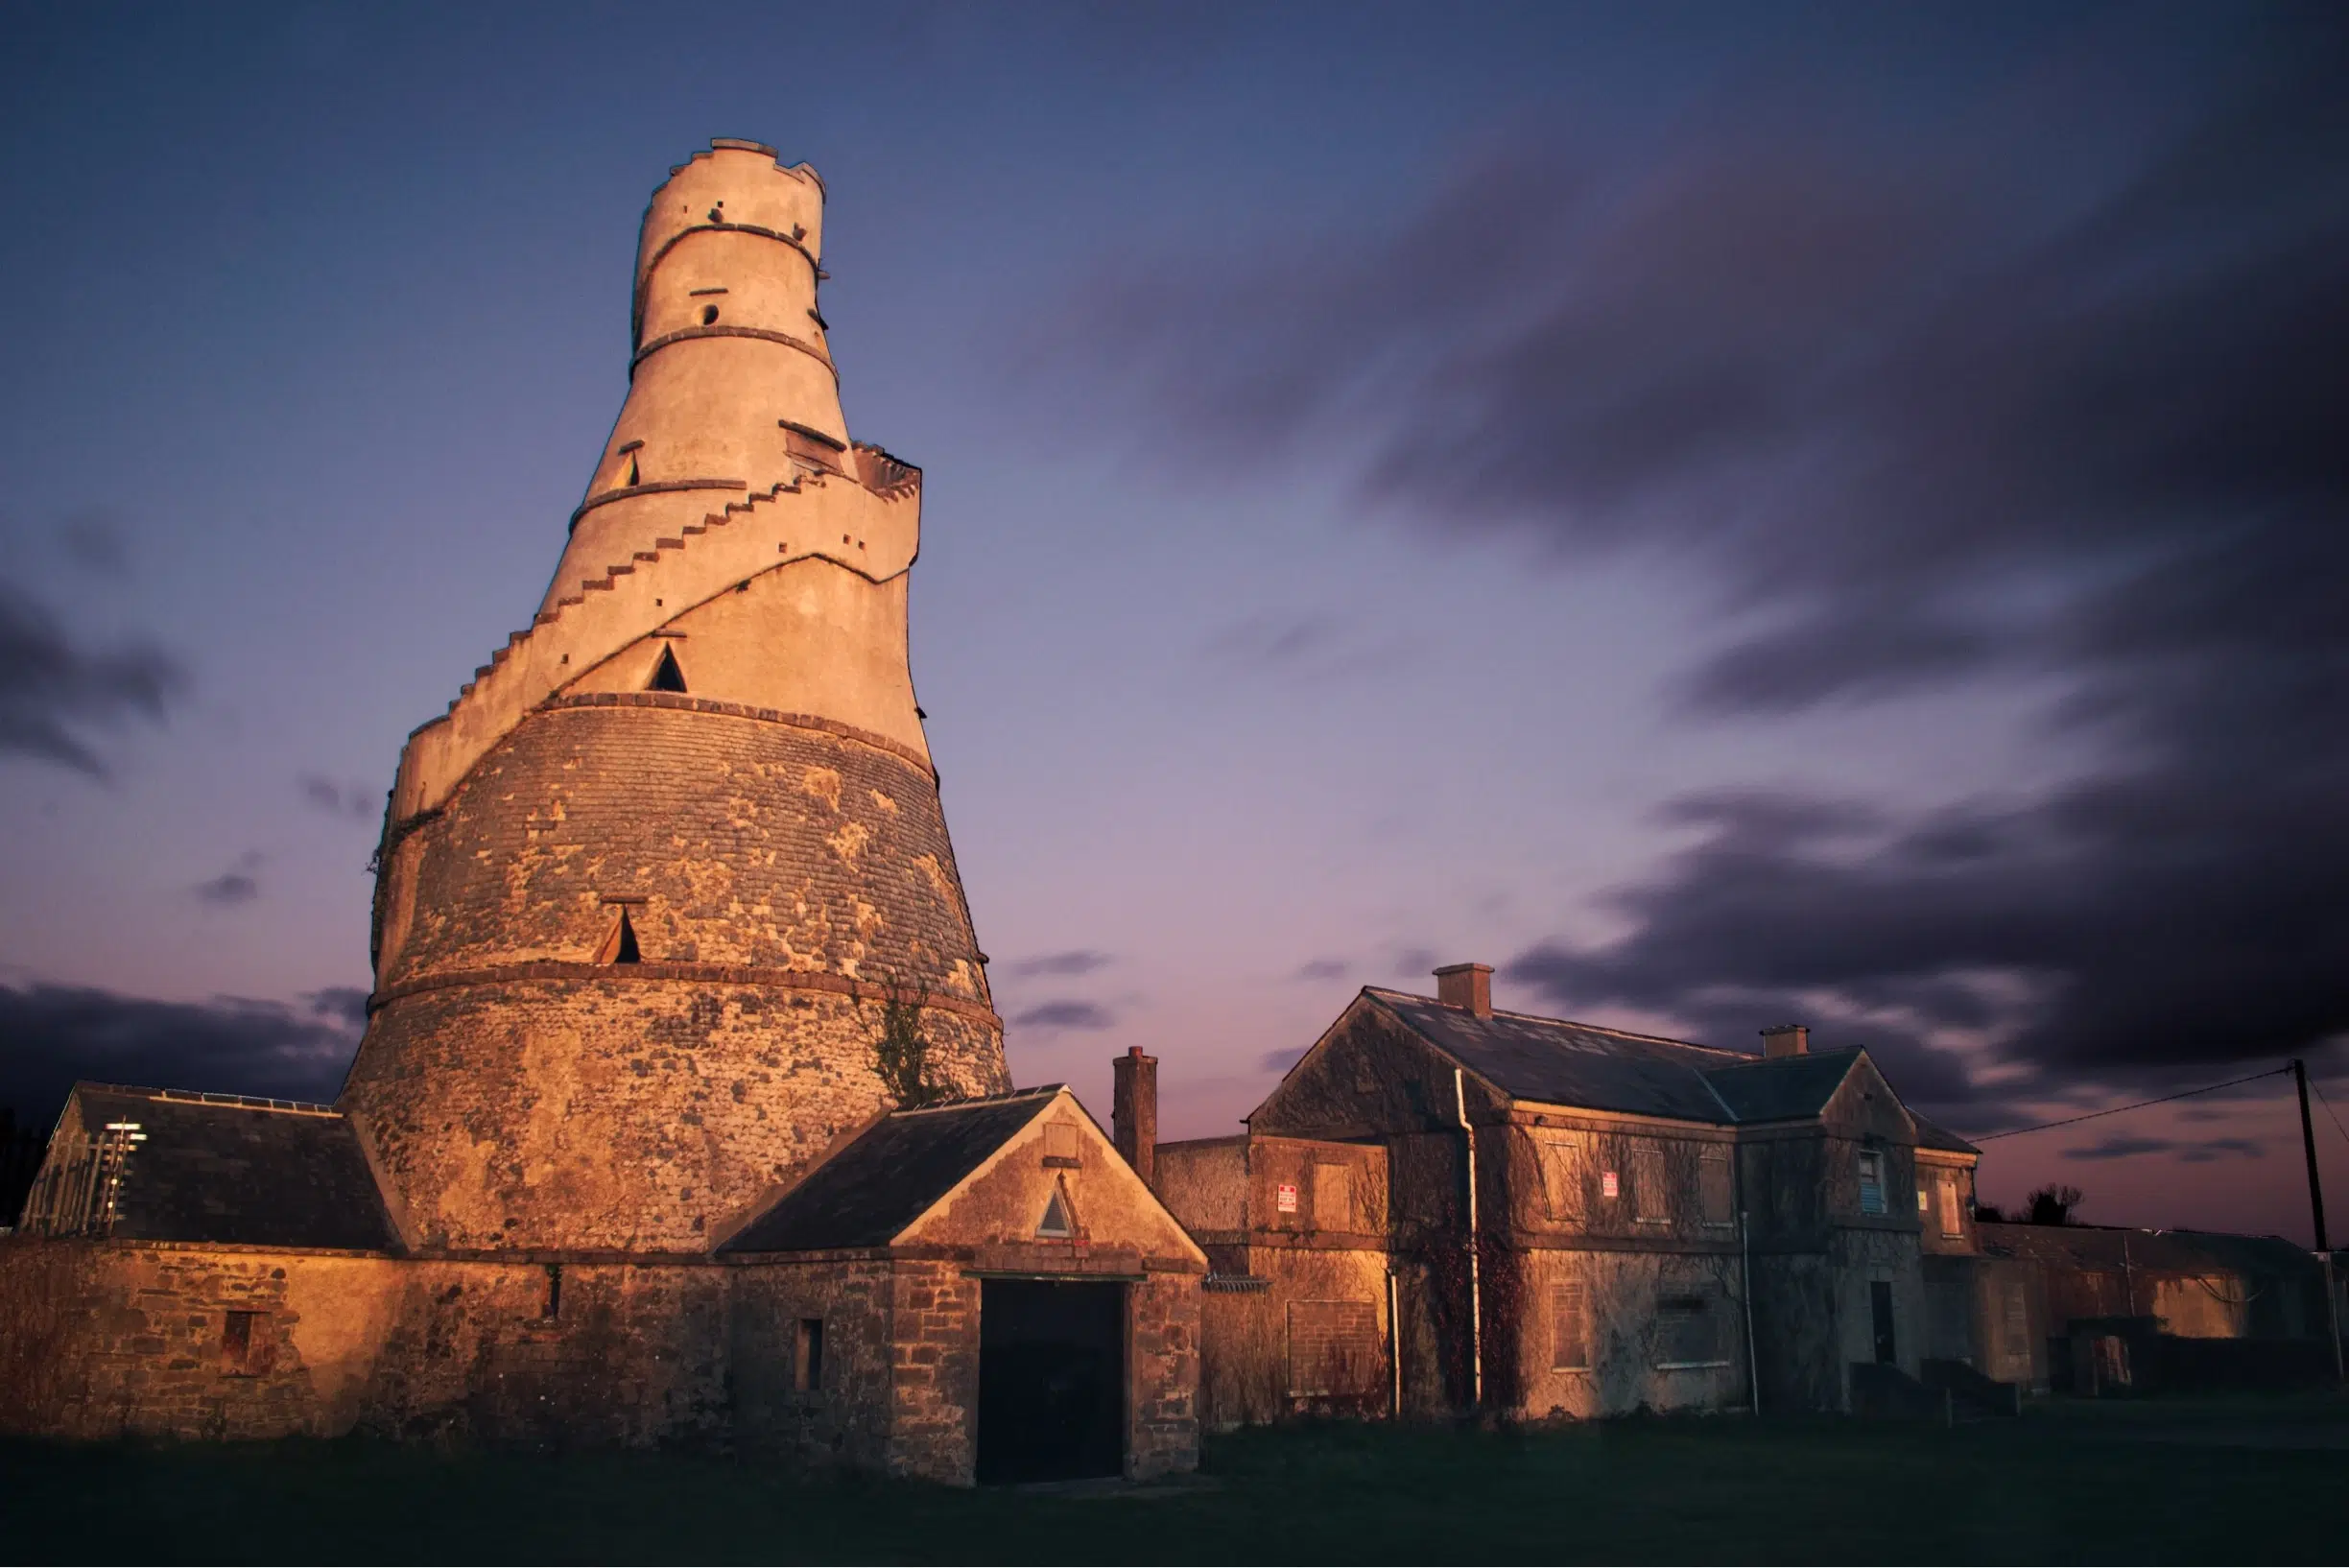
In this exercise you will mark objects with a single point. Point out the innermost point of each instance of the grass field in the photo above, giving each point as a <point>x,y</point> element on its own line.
<point>2167,1483</point>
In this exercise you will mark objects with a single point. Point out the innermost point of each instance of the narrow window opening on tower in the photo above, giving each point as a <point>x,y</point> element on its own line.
<point>709,314</point>
<point>554,1288</point>
<point>627,473</point>
<point>620,945</point>
<point>666,676</point>
<point>807,1355</point>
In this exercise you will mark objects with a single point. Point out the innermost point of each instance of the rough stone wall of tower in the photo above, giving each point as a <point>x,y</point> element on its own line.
<point>772,834</point>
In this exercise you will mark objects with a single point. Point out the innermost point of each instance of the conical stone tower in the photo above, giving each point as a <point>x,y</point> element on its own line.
<point>645,888</point>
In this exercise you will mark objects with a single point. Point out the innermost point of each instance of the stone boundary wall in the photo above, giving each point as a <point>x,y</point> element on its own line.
<point>102,1340</point>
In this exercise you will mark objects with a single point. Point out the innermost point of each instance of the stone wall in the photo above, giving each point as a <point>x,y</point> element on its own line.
<point>1630,1360</point>
<point>1163,1375</point>
<point>1252,1367</point>
<point>106,1339</point>
<point>844,1417</point>
<point>516,1094</point>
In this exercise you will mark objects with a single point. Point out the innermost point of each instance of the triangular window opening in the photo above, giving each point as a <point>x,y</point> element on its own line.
<point>620,947</point>
<point>666,676</point>
<point>1057,1221</point>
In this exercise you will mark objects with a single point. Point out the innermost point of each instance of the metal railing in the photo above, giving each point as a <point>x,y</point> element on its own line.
<point>79,1190</point>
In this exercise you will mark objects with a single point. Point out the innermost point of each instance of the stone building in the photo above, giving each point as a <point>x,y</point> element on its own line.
<point>2100,1309</point>
<point>617,1159</point>
<point>1444,1206</point>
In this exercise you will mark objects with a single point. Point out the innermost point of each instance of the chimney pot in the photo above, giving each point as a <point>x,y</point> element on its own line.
<point>1134,1112</point>
<point>1786,1040</point>
<point>1465,986</point>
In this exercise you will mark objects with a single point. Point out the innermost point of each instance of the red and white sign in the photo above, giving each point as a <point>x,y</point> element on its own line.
<point>1285,1198</point>
<point>1608,1185</point>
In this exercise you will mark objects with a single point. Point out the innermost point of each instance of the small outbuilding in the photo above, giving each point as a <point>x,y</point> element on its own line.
<point>975,1292</point>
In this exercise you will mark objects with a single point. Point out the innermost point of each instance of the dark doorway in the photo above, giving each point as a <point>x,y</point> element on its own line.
<point>1879,1307</point>
<point>1052,1379</point>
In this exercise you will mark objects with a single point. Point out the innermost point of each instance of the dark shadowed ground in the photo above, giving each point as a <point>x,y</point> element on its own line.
<point>2217,1482</point>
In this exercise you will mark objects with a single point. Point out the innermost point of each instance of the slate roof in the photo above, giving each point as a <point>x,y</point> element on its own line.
<point>1567,1063</point>
<point>1561,1062</point>
<point>242,1173</point>
<point>2115,1249</point>
<point>890,1175</point>
<point>1933,1135</point>
<point>1782,1089</point>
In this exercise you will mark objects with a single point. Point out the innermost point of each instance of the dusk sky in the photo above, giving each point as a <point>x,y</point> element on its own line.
<point>1730,514</point>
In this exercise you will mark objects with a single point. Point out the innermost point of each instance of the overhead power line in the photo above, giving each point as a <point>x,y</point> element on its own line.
<point>2163,1100</point>
<point>2329,1110</point>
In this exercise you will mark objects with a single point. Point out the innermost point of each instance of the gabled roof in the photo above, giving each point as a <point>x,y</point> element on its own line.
<point>1565,1063</point>
<point>890,1175</point>
<point>2119,1248</point>
<point>1933,1135</point>
<point>1561,1062</point>
<point>254,1173</point>
<point>1782,1089</point>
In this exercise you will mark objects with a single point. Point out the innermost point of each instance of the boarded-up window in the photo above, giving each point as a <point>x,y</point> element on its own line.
<point>1872,1181</point>
<point>1333,1198</point>
<point>1688,1332</point>
<point>1953,1212</point>
<point>2015,1323</point>
<point>1714,1193</point>
<point>1561,1177</point>
<point>1332,1350</point>
<point>1062,1142</point>
<point>1651,1198</point>
<point>1570,1327</point>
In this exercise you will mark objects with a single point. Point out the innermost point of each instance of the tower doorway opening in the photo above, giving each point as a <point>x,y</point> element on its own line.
<point>1052,1379</point>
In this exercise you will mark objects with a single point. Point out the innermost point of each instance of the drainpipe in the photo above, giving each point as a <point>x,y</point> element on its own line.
<point>1753,1364</point>
<point>1476,1284</point>
<point>1394,1350</point>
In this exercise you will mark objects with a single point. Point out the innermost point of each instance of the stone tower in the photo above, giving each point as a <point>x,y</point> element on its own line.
<point>644,887</point>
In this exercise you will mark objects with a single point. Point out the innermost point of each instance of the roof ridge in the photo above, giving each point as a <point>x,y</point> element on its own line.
<point>1746,1061</point>
<point>211,1097</point>
<point>1571,1023</point>
<point>1039,1092</point>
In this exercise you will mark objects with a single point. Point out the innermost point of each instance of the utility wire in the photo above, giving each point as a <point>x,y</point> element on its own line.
<point>2329,1110</point>
<point>2184,1094</point>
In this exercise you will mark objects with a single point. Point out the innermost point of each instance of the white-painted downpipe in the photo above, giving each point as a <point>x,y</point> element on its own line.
<point>1476,1283</point>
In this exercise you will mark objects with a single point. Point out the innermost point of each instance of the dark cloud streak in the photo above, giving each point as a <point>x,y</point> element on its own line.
<point>1066,1013</point>
<point>2054,390</point>
<point>57,1034</point>
<point>52,686</point>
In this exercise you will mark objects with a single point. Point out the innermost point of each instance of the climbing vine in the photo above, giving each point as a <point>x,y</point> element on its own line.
<point>901,1049</point>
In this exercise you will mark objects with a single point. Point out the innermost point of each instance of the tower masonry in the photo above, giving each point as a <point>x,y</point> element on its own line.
<point>644,887</point>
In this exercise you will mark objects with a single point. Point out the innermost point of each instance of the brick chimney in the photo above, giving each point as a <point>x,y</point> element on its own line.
<point>1467,986</point>
<point>1133,1112</point>
<point>1786,1040</point>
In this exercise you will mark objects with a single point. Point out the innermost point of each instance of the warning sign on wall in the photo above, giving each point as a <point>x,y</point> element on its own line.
<point>1286,1198</point>
<point>1608,1186</point>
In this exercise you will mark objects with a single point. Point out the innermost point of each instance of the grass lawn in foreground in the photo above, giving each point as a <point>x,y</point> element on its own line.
<point>2253,1481</point>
